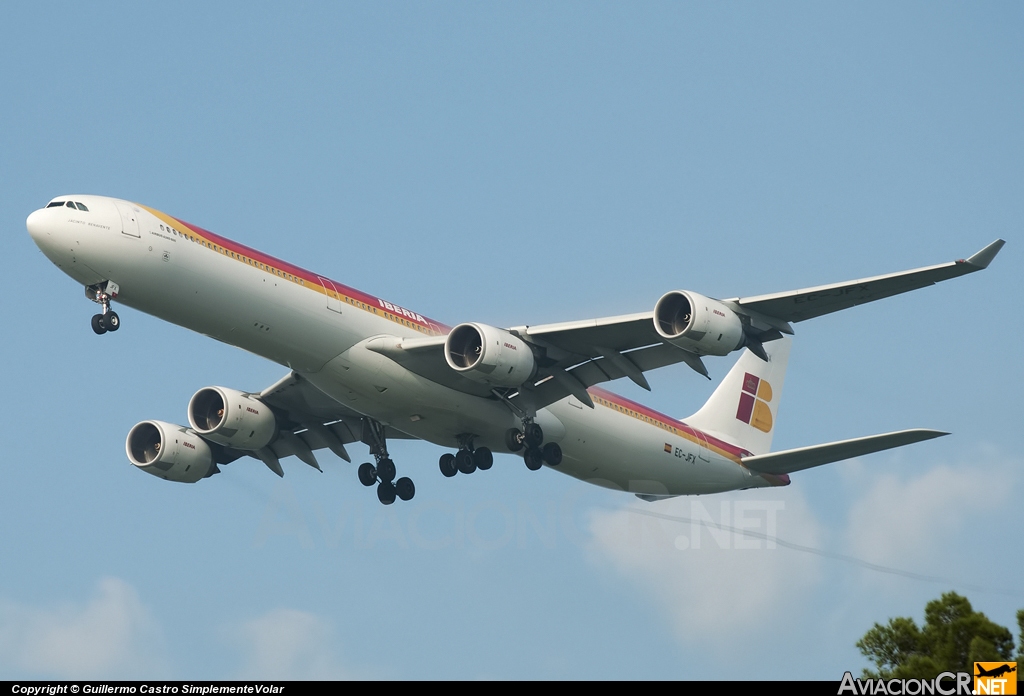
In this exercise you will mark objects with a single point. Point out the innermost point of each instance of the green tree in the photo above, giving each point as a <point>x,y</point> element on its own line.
<point>1020,639</point>
<point>953,638</point>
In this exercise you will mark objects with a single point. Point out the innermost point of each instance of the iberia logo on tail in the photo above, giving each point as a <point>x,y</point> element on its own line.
<point>754,400</point>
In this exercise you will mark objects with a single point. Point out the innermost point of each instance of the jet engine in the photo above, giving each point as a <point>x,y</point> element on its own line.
<point>172,452</point>
<point>697,323</point>
<point>489,355</point>
<point>232,418</point>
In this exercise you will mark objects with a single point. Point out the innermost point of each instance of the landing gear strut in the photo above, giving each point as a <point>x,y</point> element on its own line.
<point>383,474</point>
<point>102,294</point>
<point>530,439</point>
<point>467,460</point>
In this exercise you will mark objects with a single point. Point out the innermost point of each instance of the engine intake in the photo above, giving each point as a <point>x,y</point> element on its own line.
<point>489,355</point>
<point>170,451</point>
<point>697,323</point>
<point>232,418</point>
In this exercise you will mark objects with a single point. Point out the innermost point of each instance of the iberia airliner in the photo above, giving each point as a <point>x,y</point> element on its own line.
<point>363,369</point>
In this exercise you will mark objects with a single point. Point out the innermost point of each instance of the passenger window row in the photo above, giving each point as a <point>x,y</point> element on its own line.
<point>228,252</point>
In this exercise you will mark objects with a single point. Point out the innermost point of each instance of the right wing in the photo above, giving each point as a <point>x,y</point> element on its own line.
<point>799,305</point>
<point>572,356</point>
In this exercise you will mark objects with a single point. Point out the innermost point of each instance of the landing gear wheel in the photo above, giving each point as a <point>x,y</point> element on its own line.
<point>405,488</point>
<point>111,321</point>
<point>533,434</point>
<point>386,492</point>
<point>386,470</point>
<point>552,454</point>
<point>98,325</point>
<point>447,464</point>
<point>483,458</point>
<point>514,439</point>
<point>367,474</point>
<point>464,462</point>
<point>533,458</point>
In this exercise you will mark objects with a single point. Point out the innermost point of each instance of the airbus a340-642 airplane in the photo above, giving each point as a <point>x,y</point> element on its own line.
<point>362,369</point>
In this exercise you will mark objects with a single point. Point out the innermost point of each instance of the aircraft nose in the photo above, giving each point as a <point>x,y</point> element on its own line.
<point>36,225</point>
<point>46,232</point>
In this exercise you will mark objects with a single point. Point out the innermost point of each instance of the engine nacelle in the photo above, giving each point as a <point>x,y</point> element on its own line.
<point>169,451</point>
<point>697,323</point>
<point>232,418</point>
<point>489,355</point>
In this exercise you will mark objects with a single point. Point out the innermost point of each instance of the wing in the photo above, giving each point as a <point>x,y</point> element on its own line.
<point>570,357</point>
<point>309,420</point>
<point>798,305</point>
<point>580,354</point>
<point>573,356</point>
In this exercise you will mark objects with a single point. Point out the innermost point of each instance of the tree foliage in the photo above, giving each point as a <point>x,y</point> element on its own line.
<point>1020,638</point>
<point>953,638</point>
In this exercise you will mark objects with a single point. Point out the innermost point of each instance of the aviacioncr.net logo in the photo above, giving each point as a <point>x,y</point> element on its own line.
<point>995,678</point>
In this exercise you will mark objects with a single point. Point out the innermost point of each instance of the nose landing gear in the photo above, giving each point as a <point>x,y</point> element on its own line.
<point>102,323</point>
<point>102,294</point>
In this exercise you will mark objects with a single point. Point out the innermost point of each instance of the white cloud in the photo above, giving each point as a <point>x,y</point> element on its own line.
<point>288,644</point>
<point>949,521</point>
<point>113,635</point>
<point>709,581</point>
<point>907,522</point>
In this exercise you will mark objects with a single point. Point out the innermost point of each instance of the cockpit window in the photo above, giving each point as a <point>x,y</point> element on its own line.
<point>74,205</point>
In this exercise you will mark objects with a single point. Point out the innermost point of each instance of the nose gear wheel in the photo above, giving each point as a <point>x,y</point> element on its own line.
<point>107,320</point>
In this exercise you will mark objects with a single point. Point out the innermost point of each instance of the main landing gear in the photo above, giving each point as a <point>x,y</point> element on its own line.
<point>467,460</point>
<point>108,319</point>
<point>530,440</point>
<point>383,474</point>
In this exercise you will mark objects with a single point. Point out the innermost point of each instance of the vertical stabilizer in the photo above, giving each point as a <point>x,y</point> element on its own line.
<point>743,410</point>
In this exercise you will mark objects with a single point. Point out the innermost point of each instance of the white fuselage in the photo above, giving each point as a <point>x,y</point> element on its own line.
<point>320,328</point>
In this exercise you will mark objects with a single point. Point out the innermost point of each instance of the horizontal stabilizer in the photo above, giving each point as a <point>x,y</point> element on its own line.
<point>788,461</point>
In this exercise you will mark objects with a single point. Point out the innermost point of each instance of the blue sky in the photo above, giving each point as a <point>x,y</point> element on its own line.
<point>510,164</point>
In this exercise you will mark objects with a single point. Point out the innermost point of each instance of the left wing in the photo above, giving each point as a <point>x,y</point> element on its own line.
<point>308,420</point>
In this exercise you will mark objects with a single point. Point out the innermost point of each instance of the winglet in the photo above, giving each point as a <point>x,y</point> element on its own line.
<point>984,257</point>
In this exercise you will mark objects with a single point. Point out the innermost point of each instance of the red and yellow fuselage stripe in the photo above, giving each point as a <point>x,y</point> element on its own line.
<point>642,413</point>
<point>288,272</point>
<point>667,423</point>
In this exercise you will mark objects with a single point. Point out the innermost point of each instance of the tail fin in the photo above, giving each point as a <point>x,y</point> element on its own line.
<point>743,409</point>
